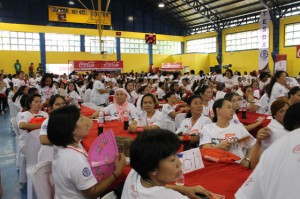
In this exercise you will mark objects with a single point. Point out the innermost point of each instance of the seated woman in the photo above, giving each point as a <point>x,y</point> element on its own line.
<point>194,120</point>
<point>72,94</point>
<point>206,95</point>
<point>153,169</point>
<point>253,103</point>
<point>235,100</point>
<point>228,136</point>
<point>55,102</point>
<point>169,108</point>
<point>72,173</point>
<point>143,91</point>
<point>294,95</point>
<point>149,118</point>
<point>121,106</point>
<point>278,109</point>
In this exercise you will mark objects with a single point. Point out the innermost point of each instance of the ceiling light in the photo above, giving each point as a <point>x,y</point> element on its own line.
<point>161,5</point>
<point>130,18</point>
<point>71,3</point>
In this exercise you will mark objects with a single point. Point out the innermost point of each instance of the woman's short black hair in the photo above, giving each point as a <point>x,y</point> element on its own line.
<point>168,94</point>
<point>23,101</point>
<point>149,95</point>
<point>45,76</point>
<point>201,90</point>
<point>61,125</point>
<point>293,91</point>
<point>30,99</point>
<point>218,104</point>
<point>150,147</point>
<point>32,90</point>
<point>53,99</point>
<point>229,96</point>
<point>291,121</point>
<point>19,92</point>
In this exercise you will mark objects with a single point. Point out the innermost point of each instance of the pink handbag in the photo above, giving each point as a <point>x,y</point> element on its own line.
<point>102,155</point>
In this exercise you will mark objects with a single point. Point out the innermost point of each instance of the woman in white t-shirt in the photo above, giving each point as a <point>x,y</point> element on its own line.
<point>100,93</point>
<point>194,120</point>
<point>153,170</point>
<point>73,96</point>
<point>149,118</point>
<point>253,103</point>
<point>206,95</point>
<point>294,95</point>
<point>121,106</point>
<point>132,95</point>
<point>143,91</point>
<point>46,88</point>
<point>71,172</point>
<point>278,109</point>
<point>230,137</point>
<point>229,80</point>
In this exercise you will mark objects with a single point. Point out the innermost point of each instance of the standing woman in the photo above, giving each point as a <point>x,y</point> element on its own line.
<point>46,88</point>
<point>99,94</point>
<point>230,81</point>
<point>194,120</point>
<point>278,87</point>
<point>62,89</point>
<point>206,95</point>
<point>72,173</point>
<point>227,136</point>
<point>149,118</point>
<point>72,94</point>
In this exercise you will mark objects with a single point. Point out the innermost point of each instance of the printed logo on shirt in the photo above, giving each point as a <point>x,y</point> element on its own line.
<point>86,172</point>
<point>296,149</point>
<point>22,117</point>
<point>248,181</point>
<point>44,127</point>
<point>235,121</point>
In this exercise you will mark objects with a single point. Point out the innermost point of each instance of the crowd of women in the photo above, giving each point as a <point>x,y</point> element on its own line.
<point>209,116</point>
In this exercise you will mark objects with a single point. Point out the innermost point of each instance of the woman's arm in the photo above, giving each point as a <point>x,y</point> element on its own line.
<point>256,124</point>
<point>191,191</point>
<point>224,145</point>
<point>28,126</point>
<point>44,140</point>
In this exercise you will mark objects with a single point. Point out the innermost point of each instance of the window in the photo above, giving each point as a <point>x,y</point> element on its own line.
<point>292,35</point>
<point>92,44</point>
<point>137,46</point>
<point>167,47</point>
<point>62,42</point>
<point>205,45</point>
<point>25,41</point>
<point>242,41</point>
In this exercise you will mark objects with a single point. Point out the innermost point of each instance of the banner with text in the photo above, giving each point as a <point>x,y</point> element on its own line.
<point>263,38</point>
<point>280,62</point>
<point>171,66</point>
<point>87,65</point>
<point>76,15</point>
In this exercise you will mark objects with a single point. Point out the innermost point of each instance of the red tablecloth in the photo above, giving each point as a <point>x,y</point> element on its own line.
<point>251,118</point>
<point>220,178</point>
<point>116,126</point>
<point>86,111</point>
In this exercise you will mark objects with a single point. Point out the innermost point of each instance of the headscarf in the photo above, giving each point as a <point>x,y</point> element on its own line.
<point>121,109</point>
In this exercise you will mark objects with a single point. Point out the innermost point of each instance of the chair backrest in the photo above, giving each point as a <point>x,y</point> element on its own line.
<point>43,181</point>
<point>45,153</point>
<point>178,119</point>
<point>170,125</point>
<point>14,109</point>
<point>15,126</point>
<point>32,147</point>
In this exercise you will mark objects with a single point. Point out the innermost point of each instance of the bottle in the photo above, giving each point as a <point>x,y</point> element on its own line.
<point>126,120</point>
<point>186,138</point>
<point>100,122</point>
<point>180,179</point>
<point>243,107</point>
<point>139,125</point>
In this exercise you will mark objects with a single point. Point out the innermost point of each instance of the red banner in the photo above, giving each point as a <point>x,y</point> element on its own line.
<point>97,65</point>
<point>171,66</point>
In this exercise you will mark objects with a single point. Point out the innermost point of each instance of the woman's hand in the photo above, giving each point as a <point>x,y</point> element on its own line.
<point>259,120</point>
<point>132,128</point>
<point>95,115</point>
<point>192,191</point>
<point>263,133</point>
<point>224,145</point>
<point>120,163</point>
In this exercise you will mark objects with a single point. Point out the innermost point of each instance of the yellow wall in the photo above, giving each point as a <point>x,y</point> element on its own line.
<point>293,63</point>
<point>246,60</point>
<point>136,62</point>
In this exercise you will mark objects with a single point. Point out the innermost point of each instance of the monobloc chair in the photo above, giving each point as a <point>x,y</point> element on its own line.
<point>178,119</point>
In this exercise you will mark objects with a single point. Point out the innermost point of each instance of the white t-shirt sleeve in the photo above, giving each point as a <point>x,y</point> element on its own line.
<point>159,120</point>
<point>167,109</point>
<point>25,117</point>
<point>44,126</point>
<point>205,137</point>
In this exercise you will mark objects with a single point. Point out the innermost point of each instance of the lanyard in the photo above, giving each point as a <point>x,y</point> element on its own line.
<point>83,151</point>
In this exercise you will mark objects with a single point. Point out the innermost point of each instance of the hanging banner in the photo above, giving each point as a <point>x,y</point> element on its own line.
<point>87,65</point>
<point>263,38</point>
<point>298,51</point>
<point>280,62</point>
<point>171,66</point>
<point>76,15</point>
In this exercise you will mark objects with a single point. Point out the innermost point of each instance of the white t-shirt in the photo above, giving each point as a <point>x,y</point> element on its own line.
<point>75,97</point>
<point>196,128</point>
<point>264,104</point>
<point>208,110</point>
<point>277,131</point>
<point>44,127</point>
<point>133,189</point>
<point>112,111</point>
<point>71,173</point>
<point>132,97</point>
<point>212,134</point>
<point>219,78</point>
<point>138,103</point>
<point>160,93</point>
<point>277,174</point>
<point>235,119</point>
<point>46,92</point>
<point>220,95</point>
<point>158,119</point>
<point>166,110</point>
<point>96,97</point>
<point>18,83</point>
<point>278,90</point>
<point>230,83</point>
